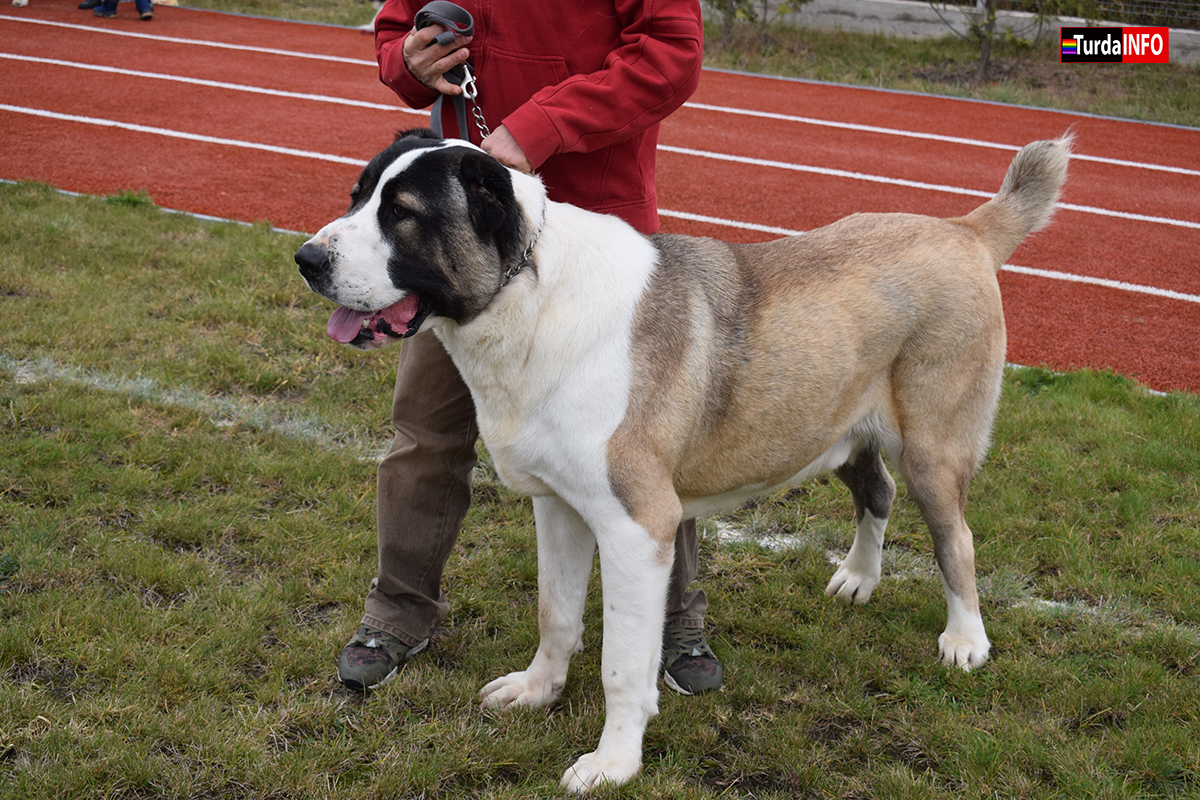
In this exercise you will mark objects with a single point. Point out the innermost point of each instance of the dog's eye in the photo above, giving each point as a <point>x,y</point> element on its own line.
<point>400,212</point>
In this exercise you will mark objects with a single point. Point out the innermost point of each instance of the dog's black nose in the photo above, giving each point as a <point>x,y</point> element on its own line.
<point>313,260</point>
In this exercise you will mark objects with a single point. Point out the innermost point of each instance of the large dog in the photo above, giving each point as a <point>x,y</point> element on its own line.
<point>628,381</point>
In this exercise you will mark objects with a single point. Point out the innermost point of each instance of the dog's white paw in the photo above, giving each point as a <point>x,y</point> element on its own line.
<point>591,770</point>
<point>967,652</point>
<point>853,583</point>
<point>521,689</point>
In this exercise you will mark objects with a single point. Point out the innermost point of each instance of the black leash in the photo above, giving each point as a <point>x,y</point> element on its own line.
<point>457,20</point>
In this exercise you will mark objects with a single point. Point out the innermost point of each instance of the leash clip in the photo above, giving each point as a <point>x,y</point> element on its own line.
<point>470,91</point>
<point>455,19</point>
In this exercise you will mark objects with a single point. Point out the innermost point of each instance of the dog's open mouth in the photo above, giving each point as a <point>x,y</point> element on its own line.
<point>374,328</point>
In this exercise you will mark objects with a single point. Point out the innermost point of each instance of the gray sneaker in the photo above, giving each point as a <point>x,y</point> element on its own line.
<point>371,658</point>
<point>689,665</point>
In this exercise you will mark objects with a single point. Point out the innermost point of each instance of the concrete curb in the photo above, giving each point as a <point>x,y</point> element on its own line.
<point>919,20</point>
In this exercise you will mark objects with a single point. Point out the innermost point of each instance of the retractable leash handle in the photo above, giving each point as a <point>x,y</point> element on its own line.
<point>457,20</point>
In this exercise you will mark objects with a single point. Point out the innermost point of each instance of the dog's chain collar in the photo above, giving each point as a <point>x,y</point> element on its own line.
<point>512,271</point>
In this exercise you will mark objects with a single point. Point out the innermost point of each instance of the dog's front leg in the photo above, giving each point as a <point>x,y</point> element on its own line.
<point>634,569</point>
<point>566,547</point>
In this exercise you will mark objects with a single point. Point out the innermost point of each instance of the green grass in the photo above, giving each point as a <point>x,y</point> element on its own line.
<point>187,533</point>
<point>186,507</point>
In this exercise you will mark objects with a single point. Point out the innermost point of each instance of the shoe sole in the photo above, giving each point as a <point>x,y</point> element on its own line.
<point>674,686</point>
<point>358,687</point>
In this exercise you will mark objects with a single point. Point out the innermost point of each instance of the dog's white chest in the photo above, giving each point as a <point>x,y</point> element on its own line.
<point>547,416</point>
<point>557,439</point>
<point>515,474</point>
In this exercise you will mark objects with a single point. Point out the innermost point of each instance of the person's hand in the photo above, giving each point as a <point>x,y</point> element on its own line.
<point>429,64</point>
<point>504,148</point>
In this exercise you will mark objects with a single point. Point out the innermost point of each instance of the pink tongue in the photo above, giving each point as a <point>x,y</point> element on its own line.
<point>398,315</point>
<point>344,324</point>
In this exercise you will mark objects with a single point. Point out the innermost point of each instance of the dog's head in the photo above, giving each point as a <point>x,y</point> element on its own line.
<point>432,229</point>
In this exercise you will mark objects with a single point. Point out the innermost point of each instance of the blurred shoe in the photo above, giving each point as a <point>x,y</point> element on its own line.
<point>86,4</point>
<point>689,665</point>
<point>148,15</point>
<point>372,658</point>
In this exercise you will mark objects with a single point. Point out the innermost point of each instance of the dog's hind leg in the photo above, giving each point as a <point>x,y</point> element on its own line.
<point>873,491</point>
<point>566,548</point>
<point>938,479</point>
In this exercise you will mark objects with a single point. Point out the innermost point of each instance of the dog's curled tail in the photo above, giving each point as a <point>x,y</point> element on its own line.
<point>1026,199</point>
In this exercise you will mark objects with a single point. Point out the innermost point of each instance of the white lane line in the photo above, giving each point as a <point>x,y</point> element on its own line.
<point>727,223</point>
<point>197,42</point>
<point>236,87</point>
<point>935,137</point>
<point>698,106</point>
<point>934,187</point>
<point>664,148</point>
<point>1106,283</point>
<point>1038,273</point>
<point>665,212</point>
<point>193,137</point>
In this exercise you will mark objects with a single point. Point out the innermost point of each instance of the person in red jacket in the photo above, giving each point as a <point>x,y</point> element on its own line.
<point>577,91</point>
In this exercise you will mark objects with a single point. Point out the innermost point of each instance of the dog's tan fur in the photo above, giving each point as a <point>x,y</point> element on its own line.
<point>758,364</point>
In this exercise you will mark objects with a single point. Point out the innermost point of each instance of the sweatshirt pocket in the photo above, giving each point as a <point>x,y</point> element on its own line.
<point>514,78</point>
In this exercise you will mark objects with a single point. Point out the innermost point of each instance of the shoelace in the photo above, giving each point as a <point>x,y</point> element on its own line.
<point>685,641</point>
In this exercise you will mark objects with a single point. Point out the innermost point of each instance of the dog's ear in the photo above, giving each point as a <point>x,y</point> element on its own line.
<point>415,133</point>
<point>492,202</point>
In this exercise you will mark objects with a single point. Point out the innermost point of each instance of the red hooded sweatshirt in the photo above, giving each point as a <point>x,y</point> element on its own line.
<point>582,85</point>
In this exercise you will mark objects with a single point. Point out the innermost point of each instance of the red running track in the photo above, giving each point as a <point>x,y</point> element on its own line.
<point>257,119</point>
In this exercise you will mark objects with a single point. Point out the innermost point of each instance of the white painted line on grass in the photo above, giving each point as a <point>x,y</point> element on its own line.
<point>899,564</point>
<point>1124,615</point>
<point>263,415</point>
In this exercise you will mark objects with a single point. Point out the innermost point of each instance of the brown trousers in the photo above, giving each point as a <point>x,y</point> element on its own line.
<point>424,492</point>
